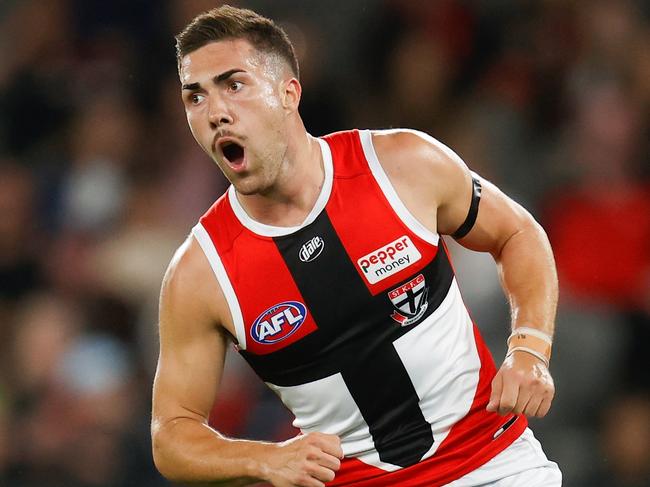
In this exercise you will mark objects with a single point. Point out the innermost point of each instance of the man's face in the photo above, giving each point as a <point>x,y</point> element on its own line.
<point>234,98</point>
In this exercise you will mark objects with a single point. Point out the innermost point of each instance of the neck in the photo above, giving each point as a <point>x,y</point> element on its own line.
<point>300,179</point>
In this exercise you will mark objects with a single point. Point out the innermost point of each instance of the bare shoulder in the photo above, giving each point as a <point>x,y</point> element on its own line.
<point>413,155</point>
<point>190,290</point>
<point>426,174</point>
<point>188,264</point>
<point>193,342</point>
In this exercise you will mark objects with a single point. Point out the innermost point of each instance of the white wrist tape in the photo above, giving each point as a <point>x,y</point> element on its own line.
<point>525,330</point>
<point>530,351</point>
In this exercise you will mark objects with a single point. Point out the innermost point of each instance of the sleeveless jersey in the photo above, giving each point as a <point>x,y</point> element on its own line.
<point>355,320</point>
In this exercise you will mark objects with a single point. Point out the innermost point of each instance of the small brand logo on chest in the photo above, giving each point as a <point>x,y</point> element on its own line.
<point>311,249</point>
<point>389,260</point>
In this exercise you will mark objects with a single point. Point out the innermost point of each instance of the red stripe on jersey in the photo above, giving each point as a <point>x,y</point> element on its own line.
<point>272,285</point>
<point>468,445</point>
<point>433,472</point>
<point>362,237</point>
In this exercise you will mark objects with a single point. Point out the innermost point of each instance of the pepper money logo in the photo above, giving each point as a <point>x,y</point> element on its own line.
<point>388,260</point>
<point>278,322</point>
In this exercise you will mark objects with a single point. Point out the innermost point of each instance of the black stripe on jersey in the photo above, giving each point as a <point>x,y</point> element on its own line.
<point>329,349</point>
<point>355,338</point>
<point>384,393</point>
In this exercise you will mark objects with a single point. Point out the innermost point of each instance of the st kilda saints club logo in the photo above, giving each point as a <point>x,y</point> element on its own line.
<point>311,249</point>
<point>410,301</point>
<point>278,322</point>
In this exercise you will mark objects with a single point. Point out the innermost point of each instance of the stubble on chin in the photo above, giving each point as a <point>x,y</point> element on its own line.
<point>245,189</point>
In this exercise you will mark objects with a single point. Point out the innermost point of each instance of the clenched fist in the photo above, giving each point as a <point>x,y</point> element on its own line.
<point>304,461</point>
<point>522,385</point>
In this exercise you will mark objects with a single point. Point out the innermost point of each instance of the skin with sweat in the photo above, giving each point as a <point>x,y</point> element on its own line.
<point>256,106</point>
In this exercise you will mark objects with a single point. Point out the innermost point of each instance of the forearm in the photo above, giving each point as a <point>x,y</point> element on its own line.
<point>188,451</point>
<point>529,278</point>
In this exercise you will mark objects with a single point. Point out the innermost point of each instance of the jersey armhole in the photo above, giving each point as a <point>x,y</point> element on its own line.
<point>203,238</point>
<point>389,191</point>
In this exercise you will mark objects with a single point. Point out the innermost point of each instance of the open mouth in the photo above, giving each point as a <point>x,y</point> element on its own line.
<point>233,153</point>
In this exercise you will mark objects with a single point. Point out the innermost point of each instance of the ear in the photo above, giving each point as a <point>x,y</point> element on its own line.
<point>291,94</point>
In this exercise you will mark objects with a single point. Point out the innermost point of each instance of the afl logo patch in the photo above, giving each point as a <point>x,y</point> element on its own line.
<point>278,322</point>
<point>312,249</point>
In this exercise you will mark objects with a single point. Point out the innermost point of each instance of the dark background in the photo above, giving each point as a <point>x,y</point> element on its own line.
<point>100,180</point>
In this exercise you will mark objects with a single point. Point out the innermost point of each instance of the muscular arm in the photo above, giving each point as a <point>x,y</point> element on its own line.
<point>438,192</point>
<point>192,352</point>
<point>521,250</point>
<point>193,344</point>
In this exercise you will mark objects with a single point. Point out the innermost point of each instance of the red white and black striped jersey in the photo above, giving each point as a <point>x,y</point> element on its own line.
<point>355,320</point>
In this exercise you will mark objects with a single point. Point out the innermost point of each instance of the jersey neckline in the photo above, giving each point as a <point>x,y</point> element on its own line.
<point>273,231</point>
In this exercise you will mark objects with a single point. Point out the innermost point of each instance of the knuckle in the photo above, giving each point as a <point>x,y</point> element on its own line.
<point>303,478</point>
<point>506,405</point>
<point>328,475</point>
<point>323,437</point>
<point>314,443</point>
<point>507,373</point>
<point>298,478</point>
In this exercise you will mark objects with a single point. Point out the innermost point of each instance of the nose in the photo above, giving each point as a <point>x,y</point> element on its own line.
<point>219,114</point>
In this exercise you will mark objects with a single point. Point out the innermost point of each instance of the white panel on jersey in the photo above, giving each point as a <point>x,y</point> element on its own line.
<point>319,206</point>
<point>389,191</point>
<point>326,406</point>
<point>522,463</point>
<point>441,358</point>
<point>203,238</point>
<point>442,361</point>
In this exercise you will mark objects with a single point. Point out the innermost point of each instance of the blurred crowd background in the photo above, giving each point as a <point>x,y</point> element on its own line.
<point>100,181</point>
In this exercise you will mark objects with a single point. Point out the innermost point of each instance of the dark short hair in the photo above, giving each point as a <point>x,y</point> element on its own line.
<point>228,22</point>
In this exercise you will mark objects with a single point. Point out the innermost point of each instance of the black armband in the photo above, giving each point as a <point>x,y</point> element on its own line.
<point>473,210</point>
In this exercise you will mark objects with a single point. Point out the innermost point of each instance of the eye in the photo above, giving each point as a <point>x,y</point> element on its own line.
<point>196,98</point>
<point>235,86</point>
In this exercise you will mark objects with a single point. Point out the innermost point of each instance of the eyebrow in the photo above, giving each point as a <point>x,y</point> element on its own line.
<point>216,80</point>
